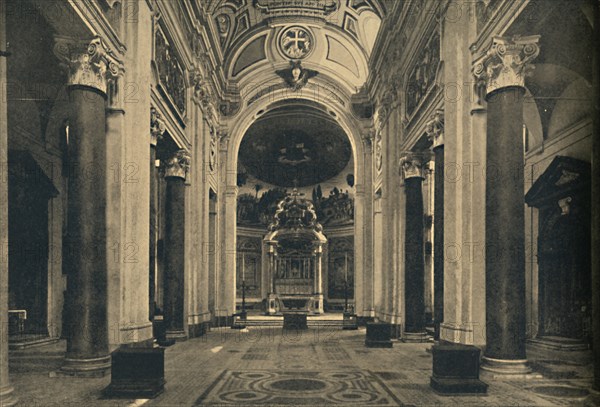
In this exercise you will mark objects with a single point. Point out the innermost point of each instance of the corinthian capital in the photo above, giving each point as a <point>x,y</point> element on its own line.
<point>507,62</point>
<point>157,127</point>
<point>413,165</point>
<point>435,128</point>
<point>89,63</point>
<point>178,164</point>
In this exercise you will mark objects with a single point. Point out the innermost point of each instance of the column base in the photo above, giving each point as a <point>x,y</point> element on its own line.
<point>177,336</point>
<point>507,368</point>
<point>7,397</point>
<point>415,337</point>
<point>93,367</point>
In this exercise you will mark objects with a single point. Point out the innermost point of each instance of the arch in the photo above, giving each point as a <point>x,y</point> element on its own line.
<point>240,124</point>
<point>249,115</point>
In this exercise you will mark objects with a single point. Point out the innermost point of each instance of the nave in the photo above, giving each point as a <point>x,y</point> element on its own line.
<point>421,172</point>
<point>320,366</point>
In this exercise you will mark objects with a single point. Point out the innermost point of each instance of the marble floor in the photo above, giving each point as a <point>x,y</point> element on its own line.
<point>267,366</point>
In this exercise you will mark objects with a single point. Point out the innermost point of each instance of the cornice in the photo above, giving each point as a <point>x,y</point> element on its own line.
<point>418,127</point>
<point>171,121</point>
<point>93,17</point>
<point>394,59</point>
<point>498,22</point>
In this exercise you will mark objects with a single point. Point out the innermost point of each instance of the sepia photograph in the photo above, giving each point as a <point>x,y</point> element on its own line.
<point>299,203</point>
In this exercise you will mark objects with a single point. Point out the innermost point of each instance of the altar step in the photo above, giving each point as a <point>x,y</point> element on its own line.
<point>313,321</point>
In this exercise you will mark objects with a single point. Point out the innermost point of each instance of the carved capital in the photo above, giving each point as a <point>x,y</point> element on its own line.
<point>435,128</point>
<point>157,127</point>
<point>178,165</point>
<point>507,63</point>
<point>368,138</point>
<point>413,165</point>
<point>89,63</point>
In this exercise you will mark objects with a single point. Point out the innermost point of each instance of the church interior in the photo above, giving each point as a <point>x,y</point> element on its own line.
<point>299,202</point>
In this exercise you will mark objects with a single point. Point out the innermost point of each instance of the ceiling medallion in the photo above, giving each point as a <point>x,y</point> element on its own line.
<point>296,42</point>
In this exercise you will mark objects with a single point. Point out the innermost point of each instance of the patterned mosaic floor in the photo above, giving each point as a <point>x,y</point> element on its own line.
<point>298,388</point>
<point>316,367</point>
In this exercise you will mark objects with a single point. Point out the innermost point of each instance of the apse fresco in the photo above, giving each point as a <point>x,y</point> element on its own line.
<point>337,208</point>
<point>295,149</point>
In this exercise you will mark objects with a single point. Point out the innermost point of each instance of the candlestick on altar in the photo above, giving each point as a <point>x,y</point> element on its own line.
<point>346,267</point>
<point>243,287</point>
<point>345,282</point>
<point>243,267</point>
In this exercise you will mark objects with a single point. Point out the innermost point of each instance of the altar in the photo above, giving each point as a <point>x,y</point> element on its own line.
<point>294,246</point>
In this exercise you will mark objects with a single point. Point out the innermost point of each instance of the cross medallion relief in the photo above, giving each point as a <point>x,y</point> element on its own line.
<point>296,42</point>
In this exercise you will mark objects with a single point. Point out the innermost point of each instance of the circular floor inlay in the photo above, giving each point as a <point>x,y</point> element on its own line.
<point>246,396</point>
<point>299,385</point>
<point>561,391</point>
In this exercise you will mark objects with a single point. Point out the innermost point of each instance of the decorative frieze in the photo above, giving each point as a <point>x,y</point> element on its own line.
<point>89,63</point>
<point>435,128</point>
<point>178,164</point>
<point>413,165</point>
<point>423,74</point>
<point>296,8</point>
<point>171,73</point>
<point>157,127</point>
<point>507,63</point>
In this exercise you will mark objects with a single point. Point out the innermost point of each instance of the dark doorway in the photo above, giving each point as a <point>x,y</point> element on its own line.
<point>29,190</point>
<point>562,195</point>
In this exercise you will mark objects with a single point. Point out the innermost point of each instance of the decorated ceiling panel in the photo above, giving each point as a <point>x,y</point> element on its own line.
<point>237,24</point>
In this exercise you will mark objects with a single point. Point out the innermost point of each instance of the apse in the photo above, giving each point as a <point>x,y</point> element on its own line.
<point>295,147</point>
